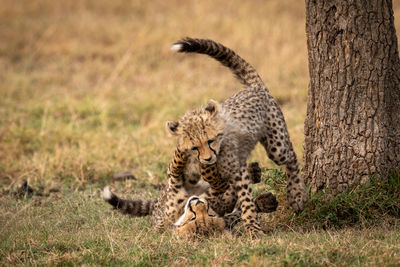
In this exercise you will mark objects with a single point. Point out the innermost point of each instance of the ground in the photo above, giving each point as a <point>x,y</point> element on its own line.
<point>86,88</point>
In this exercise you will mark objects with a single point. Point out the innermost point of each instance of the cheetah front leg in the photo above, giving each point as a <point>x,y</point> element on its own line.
<point>174,198</point>
<point>265,203</point>
<point>246,203</point>
<point>209,173</point>
<point>218,187</point>
<point>221,195</point>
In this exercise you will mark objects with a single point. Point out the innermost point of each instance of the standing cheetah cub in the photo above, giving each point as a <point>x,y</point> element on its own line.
<point>226,133</point>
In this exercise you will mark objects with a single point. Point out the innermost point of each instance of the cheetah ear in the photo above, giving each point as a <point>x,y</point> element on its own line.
<point>172,127</point>
<point>212,107</point>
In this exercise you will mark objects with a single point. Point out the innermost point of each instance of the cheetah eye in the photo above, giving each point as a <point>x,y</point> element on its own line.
<point>211,215</point>
<point>210,141</point>
<point>193,218</point>
<point>195,148</point>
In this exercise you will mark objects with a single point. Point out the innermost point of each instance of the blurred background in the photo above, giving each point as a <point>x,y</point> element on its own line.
<point>87,86</point>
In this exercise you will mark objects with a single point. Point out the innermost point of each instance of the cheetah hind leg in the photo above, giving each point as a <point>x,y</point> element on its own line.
<point>279,149</point>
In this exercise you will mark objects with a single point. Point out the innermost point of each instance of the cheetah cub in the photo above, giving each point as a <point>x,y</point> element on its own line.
<point>183,187</point>
<point>226,133</point>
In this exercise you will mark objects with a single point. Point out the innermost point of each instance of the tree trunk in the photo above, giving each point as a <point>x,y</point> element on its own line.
<point>352,129</point>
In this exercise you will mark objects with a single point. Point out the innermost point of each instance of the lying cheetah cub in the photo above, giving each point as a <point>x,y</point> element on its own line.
<point>229,131</point>
<point>199,219</point>
<point>169,208</point>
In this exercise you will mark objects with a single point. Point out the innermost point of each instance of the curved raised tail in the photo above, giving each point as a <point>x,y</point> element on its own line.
<point>136,208</point>
<point>243,71</point>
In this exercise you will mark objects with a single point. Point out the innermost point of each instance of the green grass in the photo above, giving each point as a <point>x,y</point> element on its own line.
<point>86,88</point>
<point>359,205</point>
<point>380,198</point>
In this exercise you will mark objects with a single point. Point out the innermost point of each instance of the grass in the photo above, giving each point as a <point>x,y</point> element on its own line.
<point>359,205</point>
<point>76,228</point>
<point>86,89</point>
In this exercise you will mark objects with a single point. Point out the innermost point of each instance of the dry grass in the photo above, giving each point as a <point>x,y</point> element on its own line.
<point>86,87</point>
<point>79,229</point>
<point>80,75</point>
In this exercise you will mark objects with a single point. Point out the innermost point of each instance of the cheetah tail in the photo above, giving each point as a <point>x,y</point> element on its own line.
<point>243,71</point>
<point>132,207</point>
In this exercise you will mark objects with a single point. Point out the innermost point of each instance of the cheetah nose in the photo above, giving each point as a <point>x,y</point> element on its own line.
<point>209,159</point>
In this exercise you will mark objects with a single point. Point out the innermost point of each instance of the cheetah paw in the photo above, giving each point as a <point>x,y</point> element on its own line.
<point>255,172</point>
<point>297,200</point>
<point>266,202</point>
<point>254,231</point>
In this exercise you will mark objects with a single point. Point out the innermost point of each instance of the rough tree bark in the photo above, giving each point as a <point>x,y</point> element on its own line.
<point>352,129</point>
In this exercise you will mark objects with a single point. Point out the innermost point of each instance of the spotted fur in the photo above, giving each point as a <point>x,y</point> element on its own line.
<point>199,219</point>
<point>226,133</point>
<point>183,182</point>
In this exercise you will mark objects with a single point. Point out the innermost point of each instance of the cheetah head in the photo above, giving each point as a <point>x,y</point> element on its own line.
<point>199,219</point>
<point>200,132</point>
